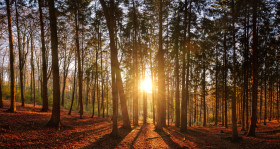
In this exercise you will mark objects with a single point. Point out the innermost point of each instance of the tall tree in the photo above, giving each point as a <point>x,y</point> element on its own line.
<point>11,46</point>
<point>55,118</point>
<point>21,64</point>
<point>1,100</point>
<point>45,106</point>
<point>252,128</point>
<point>233,101</point>
<point>161,76</point>
<point>183,127</point>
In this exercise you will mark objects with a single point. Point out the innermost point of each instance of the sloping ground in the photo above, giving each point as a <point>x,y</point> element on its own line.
<point>27,129</point>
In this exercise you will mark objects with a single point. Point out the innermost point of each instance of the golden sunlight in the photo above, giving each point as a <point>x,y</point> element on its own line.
<point>147,85</point>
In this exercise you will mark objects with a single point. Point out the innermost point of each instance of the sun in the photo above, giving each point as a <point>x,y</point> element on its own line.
<point>147,85</point>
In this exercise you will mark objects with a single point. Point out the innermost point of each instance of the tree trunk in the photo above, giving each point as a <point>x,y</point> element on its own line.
<point>233,101</point>
<point>80,73</point>
<point>110,21</point>
<point>177,92</point>
<point>12,73</point>
<point>44,64</point>
<point>32,68</point>
<point>126,121</point>
<point>204,87</point>
<point>252,128</point>
<point>183,127</point>
<point>217,98</point>
<point>225,79</point>
<point>74,87</point>
<point>1,100</point>
<point>55,118</point>
<point>161,77</point>
<point>20,57</point>
<point>265,95</point>
<point>261,101</point>
<point>135,69</point>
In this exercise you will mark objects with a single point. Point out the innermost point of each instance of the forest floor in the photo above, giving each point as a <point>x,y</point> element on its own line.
<point>27,129</point>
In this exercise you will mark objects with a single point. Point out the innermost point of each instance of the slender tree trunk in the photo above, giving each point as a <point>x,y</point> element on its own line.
<point>144,98</point>
<point>177,92</point>
<point>188,61</point>
<point>270,97</point>
<point>74,88</point>
<point>80,73</point>
<point>217,98</point>
<point>110,21</point>
<point>19,56</point>
<point>135,68</point>
<point>55,118</point>
<point>1,100</point>
<point>252,128</point>
<point>161,76</point>
<point>233,100</point>
<point>204,87</point>
<point>265,95</point>
<point>153,86</point>
<point>225,80</point>
<point>65,73</point>
<point>126,121</point>
<point>261,101</point>
<point>102,84</point>
<point>107,89</point>
<point>32,67</point>
<point>183,127</point>
<point>247,68</point>
<point>44,64</point>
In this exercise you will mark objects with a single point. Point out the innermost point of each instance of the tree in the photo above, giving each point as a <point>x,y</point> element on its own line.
<point>161,76</point>
<point>55,118</point>
<point>80,73</point>
<point>74,87</point>
<point>11,46</point>
<point>109,15</point>
<point>45,106</point>
<point>21,62</point>
<point>183,127</point>
<point>1,100</point>
<point>252,128</point>
<point>135,67</point>
<point>233,101</point>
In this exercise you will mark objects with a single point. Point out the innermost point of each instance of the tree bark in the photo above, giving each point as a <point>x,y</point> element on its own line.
<point>12,73</point>
<point>74,88</point>
<point>225,79</point>
<point>44,64</point>
<point>19,57</point>
<point>80,73</point>
<point>252,128</point>
<point>233,100</point>
<point>161,76</point>
<point>55,118</point>
<point>183,127</point>
<point>177,92</point>
<point>1,100</point>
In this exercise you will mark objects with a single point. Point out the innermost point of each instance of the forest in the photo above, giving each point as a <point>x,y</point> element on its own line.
<point>139,73</point>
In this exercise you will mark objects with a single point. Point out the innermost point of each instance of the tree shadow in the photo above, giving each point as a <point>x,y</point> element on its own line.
<point>136,137</point>
<point>107,141</point>
<point>166,138</point>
